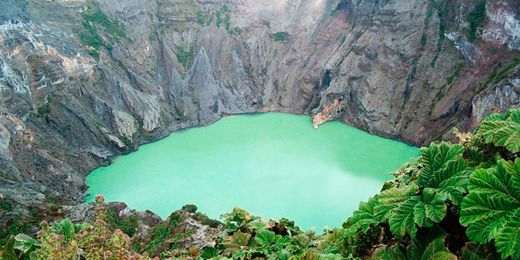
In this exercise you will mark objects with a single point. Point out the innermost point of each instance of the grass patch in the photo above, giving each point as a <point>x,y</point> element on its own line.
<point>112,28</point>
<point>127,225</point>
<point>227,22</point>
<point>496,76</point>
<point>161,233</point>
<point>185,56</point>
<point>223,16</point>
<point>41,111</point>
<point>6,205</point>
<point>201,18</point>
<point>94,21</point>
<point>280,36</point>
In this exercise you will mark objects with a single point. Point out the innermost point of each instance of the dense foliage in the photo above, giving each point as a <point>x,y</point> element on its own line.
<point>93,23</point>
<point>248,237</point>
<point>454,201</point>
<point>65,240</point>
<point>477,19</point>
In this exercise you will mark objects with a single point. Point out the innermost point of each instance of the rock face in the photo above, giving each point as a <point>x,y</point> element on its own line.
<point>82,81</point>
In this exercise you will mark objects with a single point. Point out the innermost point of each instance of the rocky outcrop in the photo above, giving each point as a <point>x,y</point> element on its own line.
<point>504,25</point>
<point>496,100</point>
<point>143,221</point>
<point>82,81</point>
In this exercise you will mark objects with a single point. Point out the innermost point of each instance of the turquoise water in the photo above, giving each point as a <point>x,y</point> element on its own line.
<point>273,165</point>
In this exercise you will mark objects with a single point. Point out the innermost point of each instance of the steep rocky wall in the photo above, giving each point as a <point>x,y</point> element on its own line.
<point>82,81</point>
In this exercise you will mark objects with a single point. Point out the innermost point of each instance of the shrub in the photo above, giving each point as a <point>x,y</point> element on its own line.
<point>6,205</point>
<point>280,36</point>
<point>42,111</point>
<point>66,240</point>
<point>190,208</point>
<point>464,193</point>
<point>185,56</point>
<point>127,225</point>
<point>201,20</point>
<point>477,19</point>
<point>91,37</point>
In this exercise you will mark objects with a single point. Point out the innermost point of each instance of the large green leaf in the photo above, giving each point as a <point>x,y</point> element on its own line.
<point>430,209</point>
<point>490,208</point>
<point>239,241</point>
<point>502,130</point>
<point>7,251</point>
<point>271,242</point>
<point>65,228</point>
<point>330,257</point>
<point>507,240</point>
<point>434,159</point>
<point>402,220</point>
<point>390,199</point>
<point>436,250</point>
<point>420,211</point>
<point>209,252</point>
<point>444,168</point>
<point>455,187</point>
<point>25,243</point>
<point>363,218</point>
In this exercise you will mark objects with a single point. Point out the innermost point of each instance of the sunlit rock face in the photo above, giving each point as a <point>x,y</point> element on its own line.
<point>504,25</point>
<point>496,99</point>
<point>400,69</point>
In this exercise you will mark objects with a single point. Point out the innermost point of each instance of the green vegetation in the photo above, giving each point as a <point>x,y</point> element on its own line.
<point>94,21</point>
<point>427,20</point>
<point>166,233</point>
<point>185,56</point>
<point>65,240</point>
<point>248,237</point>
<point>477,19</point>
<point>227,22</point>
<point>190,208</point>
<point>6,205</point>
<point>92,39</point>
<point>112,28</point>
<point>17,224</point>
<point>127,225</point>
<point>201,19</point>
<point>424,40</point>
<point>444,10</point>
<point>42,111</point>
<point>471,183</point>
<point>454,201</point>
<point>280,36</point>
<point>223,15</point>
<point>221,11</point>
<point>496,76</point>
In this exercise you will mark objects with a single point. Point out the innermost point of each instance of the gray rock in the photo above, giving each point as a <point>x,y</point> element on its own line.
<point>496,100</point>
